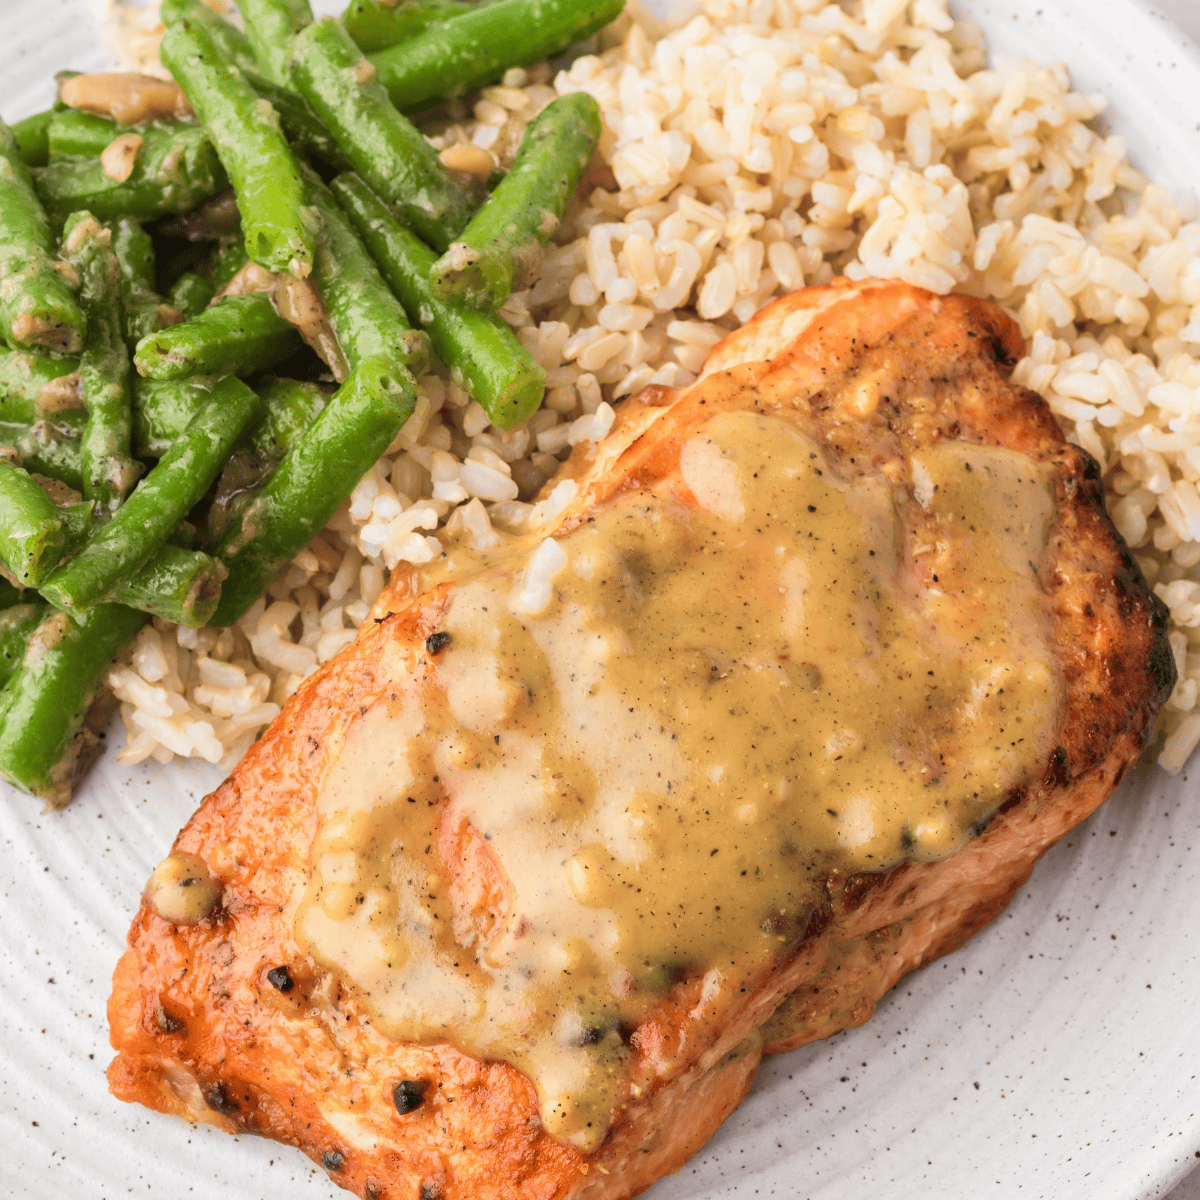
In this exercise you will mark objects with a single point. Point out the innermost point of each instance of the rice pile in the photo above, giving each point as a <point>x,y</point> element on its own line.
<point>751,148</point>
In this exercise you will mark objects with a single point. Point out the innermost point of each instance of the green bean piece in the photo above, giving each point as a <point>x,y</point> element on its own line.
<point>301,126</point>
<point>270,26</point>
<point>368,320</point>
<point>17,623</point>
<point>43,745</point>
<point>49,447</point>
<point>386,149</point>
<point>231,43</point>
<point>143,523</point>
<point>500,251</point>
<point>134,249</point>
<point>36,304</point>
<point>304,491</point>
<point>74,133</point>
<point>33,133</point>
<point>236,336</point>
<point>192,294</point>
<point>143,310</point>
<point>290,406</point>
<point>176,169</point>
<point>245,130</point>
<point>109,470</point>
<point>33,138</point>
<point>482,351</point>
<point>79,518</point>
<point>34,384</point>
<point>376,24</point>
<point>59,424</point>
<point>477,47</point>
<point>11,595</point>
<point>163,408</point>
<point>32,537</point>
<point>227,260</point>
<point>179,585</point>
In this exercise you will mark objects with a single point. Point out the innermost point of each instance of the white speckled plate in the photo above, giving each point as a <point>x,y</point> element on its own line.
<point>1054,1056</point>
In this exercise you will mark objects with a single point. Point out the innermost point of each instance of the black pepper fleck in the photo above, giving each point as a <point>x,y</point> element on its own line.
<point>409,1094</point>
<point>436,642</point>
<point>280,978</point>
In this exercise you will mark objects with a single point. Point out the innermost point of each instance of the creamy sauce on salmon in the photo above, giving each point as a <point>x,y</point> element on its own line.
<point>634,751</point>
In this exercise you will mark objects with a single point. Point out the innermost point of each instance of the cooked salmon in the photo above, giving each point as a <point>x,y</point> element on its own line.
<point>254,994</point>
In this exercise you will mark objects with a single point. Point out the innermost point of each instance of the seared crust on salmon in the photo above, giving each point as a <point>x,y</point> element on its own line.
<point>202,1032</point>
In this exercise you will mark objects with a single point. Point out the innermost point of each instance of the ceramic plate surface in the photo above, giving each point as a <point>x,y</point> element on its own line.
<point>1054,1056</point>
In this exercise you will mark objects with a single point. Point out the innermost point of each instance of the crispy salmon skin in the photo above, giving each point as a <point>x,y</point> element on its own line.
<point>207,1027</point>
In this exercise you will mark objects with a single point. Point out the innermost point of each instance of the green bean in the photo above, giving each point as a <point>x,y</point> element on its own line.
<point>289,408</point>
<point>143,523</point>
<point>56,424</point>
<point>33,132</point>
<point>17,623</point>
<point>376,24</point>
<point>192,294</point>
<point>492,364</point>
<point>304,491</point>
<point>270,26</point>
<point>162,409</point>
<point>109,470</point>
<point>33,539</point>
<point>237,335</point>
<point>500,251</point>
<point>182,586</point>
<point>227,260</point>
<point>32,384</point>
<point>477,47</point>
<point>231,43</point>
<point>244,129</point>
<point>42,708</point>
<point>176,169</point>
<point>74,133</point>
<point>301,126</point>
<point>143,310</point>
<point>48,448</point>
<point>134,249</point>
<point>33,138</point>
<point>368,320</point>
<point>78,517</point>
<point>385,148</point>
<point>36,305</point>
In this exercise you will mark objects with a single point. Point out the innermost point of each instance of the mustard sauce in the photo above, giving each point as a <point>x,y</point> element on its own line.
<point>640,746</point>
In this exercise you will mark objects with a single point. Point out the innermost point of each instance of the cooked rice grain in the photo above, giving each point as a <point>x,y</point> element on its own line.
<point>754,147</point>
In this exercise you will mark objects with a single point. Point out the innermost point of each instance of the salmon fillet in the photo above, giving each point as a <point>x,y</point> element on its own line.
<point>202,1027</point>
